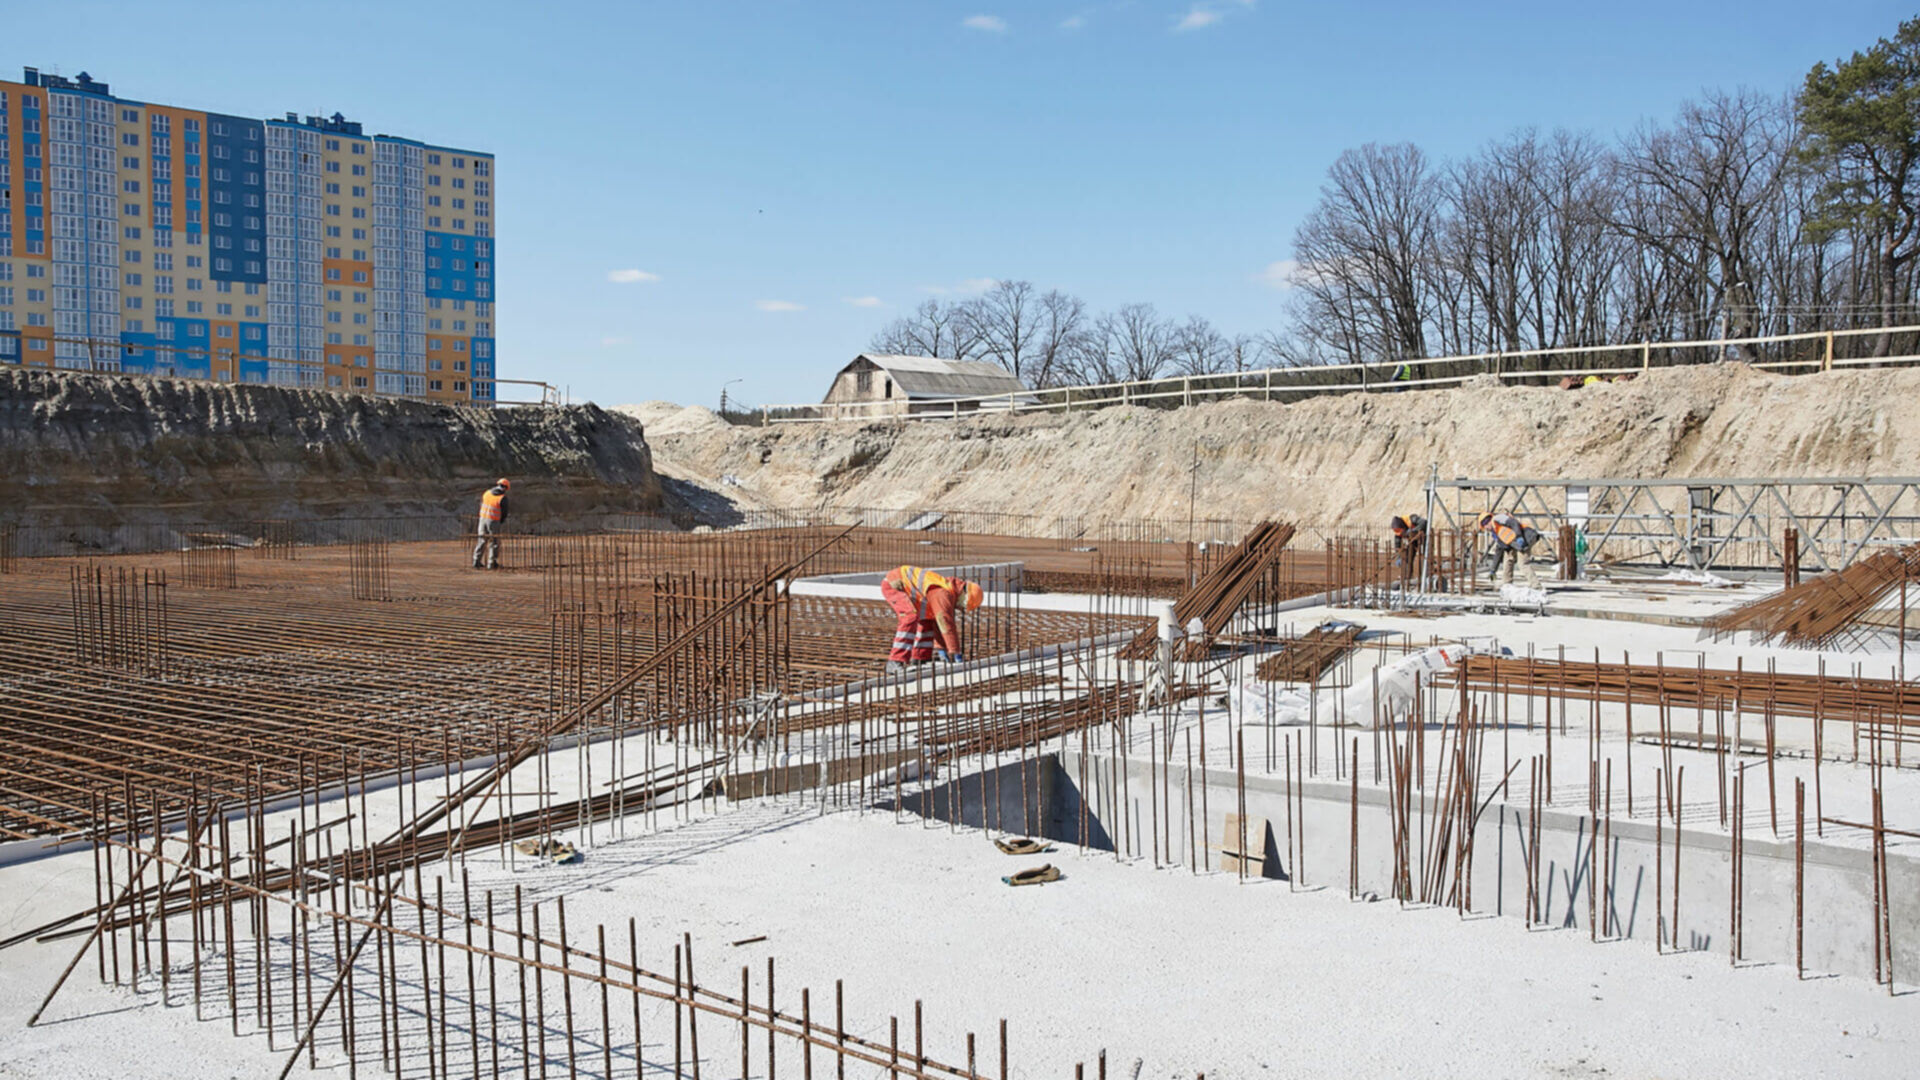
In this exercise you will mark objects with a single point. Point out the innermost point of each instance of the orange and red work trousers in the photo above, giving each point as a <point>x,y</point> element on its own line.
<point>914,637</point>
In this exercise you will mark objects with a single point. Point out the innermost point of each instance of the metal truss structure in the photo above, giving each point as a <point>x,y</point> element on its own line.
<point>1701,523</point>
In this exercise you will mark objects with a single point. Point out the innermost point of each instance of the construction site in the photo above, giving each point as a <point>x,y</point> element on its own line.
<point>1227,780</point>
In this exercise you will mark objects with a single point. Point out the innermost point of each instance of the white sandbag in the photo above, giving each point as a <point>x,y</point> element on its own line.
<point>1521,596</point>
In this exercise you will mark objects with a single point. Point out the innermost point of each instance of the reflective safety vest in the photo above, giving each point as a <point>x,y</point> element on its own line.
<point>1403,373</point>
<point>490,505</point>
<point>1505,527</point>
<point>917,583</point>
<point>1409,523</point>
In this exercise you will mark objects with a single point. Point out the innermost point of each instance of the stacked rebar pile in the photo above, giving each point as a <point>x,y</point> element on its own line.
<point>1829,610</point>
<point>1306,657</point>
<point>1219,594</point>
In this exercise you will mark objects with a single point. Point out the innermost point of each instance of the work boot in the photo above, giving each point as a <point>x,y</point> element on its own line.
<point>895,667</point>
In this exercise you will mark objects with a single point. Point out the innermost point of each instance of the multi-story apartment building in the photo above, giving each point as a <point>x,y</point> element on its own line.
<point>297,252</point>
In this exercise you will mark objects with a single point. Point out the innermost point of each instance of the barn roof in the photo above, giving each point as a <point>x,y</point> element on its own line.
<point>924,377</point>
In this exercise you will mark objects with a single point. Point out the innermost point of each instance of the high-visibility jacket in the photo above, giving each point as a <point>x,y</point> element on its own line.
<point>917,582</point>
<point>1412,523</point>
<point>1506,528</point>
<point>933,595</point>
<point>493,505</point>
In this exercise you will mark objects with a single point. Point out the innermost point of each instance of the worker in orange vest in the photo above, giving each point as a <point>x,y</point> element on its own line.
<point>1511,539</point>
<point>493,517</point>
<point>925,602</point>
<point>1409,534</point>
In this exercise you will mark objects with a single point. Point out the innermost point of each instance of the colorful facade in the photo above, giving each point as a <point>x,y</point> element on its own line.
<point>294,252</point>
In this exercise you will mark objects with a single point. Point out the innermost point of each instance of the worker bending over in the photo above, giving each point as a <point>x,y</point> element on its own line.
<point>1511,539</point>
<point>925,602</point>
<point>1409,540</point>
<point>493,517</point>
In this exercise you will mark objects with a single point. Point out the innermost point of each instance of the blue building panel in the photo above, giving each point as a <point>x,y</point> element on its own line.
<point>186,350</point>
<point>236,211</point>
<point>453,267</point>
<point>138,355</point>
<point>480,385</point>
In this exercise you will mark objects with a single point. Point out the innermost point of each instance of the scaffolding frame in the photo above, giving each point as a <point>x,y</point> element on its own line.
<point>1701,523</point>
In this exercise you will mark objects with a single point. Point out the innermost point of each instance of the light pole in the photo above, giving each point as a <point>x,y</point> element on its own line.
<point>723,394</point>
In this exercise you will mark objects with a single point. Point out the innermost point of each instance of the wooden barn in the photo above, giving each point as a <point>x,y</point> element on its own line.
<point>882,385</point>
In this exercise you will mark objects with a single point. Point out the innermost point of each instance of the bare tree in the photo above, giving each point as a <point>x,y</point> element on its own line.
<point>1706,186</point>
<point>1142,342</point>
<point>1091,356</point>
<point>948,331</point>
<point>1009,321</point>
<point>1196,348</point>
<point>1248,351</point>
<point>1061,320</point>
<point>1364,251</point>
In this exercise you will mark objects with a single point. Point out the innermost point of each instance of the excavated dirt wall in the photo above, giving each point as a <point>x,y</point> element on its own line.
<point>1341,462</point>
<point>95,449</point>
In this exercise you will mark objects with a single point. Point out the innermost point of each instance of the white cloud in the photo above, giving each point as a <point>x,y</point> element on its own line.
<point>631,277</point>
<point>1281,274</point>
<point>610,342</point>
<point>778,305</point>
<point>1073,22</point>
<point>992,24</point>
<point>1208,12</point>
<point>972,286</point>
<point>863,301</point>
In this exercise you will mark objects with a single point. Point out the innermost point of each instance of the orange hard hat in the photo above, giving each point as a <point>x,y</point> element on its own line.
<point>502,482</point>
<point>973,594</point>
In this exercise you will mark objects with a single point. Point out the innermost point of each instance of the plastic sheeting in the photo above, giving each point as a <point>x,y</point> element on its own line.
<point>1259,703</point>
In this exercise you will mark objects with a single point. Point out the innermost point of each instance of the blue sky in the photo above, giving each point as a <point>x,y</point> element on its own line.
<point>785,178</point>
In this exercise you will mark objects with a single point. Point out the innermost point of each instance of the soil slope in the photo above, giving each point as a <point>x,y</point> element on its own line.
<point>1332,462</point>
<point>94,448</point>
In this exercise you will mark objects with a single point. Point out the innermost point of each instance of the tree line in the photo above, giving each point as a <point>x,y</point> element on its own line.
<point>1745,214</point>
